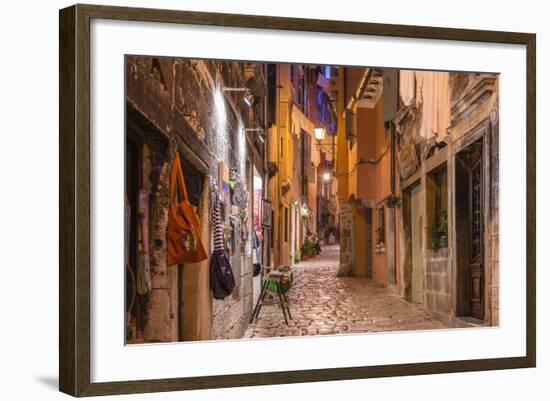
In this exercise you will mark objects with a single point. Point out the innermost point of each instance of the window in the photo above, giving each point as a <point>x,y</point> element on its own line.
<point>272,234</point>
<point>436,208</point>
<point>272,93</point>
<point>381,227</point>
<point>286,224</point>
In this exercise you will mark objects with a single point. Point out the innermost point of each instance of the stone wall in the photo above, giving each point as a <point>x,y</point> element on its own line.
<point>438,291</point>
<point>347,239</point>
<point>179,104</point>
<point>161,316</point>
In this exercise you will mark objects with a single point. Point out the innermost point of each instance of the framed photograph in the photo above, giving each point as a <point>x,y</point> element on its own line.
<point>391,167</point>
<point>266,213</point>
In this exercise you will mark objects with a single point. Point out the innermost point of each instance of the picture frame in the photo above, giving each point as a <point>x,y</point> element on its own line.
<point>75,201</point>
<point>266,213</point>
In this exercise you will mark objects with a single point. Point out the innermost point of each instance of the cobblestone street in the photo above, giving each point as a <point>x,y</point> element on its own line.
<point>321,303</point>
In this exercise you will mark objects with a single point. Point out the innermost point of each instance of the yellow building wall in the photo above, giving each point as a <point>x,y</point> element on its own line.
<point>279,152</point>
<point>342,153</point>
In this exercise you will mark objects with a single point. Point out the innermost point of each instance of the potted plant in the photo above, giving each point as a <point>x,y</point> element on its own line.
<point>308,249</point>
<point>393,201</point>
<point>439,233</point>
<point>380,240</point>
<point>442,228</point>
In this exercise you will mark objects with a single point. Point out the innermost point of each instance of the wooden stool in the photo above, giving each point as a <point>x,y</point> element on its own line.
<point>278,278</point>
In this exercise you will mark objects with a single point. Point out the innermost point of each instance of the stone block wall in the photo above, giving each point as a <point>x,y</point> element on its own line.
<point>438,290</point>
<point>347,239</point>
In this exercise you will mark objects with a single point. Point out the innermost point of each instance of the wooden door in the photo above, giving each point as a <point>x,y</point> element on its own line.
<point>469,232</point>
<point>416,240</point>
<point>476,241</point>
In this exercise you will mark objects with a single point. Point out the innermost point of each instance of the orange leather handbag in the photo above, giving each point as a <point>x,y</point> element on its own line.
<point>184,235</point>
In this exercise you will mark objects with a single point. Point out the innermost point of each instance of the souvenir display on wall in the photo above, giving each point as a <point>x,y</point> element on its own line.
<point>257,213</point>
<point>237,188</point>
<point>223,183</point>
<point>228,240</point>
<point>245,233</point>
<point>143,274</point>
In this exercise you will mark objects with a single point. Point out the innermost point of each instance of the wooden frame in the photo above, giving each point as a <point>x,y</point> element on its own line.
<point>74,203</point>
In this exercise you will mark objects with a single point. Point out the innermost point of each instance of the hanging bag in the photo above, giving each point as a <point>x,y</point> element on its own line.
<point>257,266</point>
<point>184,237</point>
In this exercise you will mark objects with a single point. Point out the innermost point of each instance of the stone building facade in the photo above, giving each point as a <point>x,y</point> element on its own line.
<point>418,187</point>
<point>302,200</point>
<point>447,142</point>
<point>194,107</point>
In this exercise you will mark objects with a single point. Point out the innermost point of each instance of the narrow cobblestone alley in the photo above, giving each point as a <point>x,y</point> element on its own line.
<point>322,303</point>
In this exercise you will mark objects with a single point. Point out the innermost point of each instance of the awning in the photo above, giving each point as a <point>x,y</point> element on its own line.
<point>324,83</point>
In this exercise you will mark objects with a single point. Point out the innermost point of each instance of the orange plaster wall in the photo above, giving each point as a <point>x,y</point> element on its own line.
<point>381,188</point>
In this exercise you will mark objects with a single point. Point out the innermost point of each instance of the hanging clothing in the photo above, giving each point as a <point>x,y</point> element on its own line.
<point>444,102</point>
<point>428,89</point>
<point>407,86</point>
<point>256,261</point>
<point>217,224</point>
<point>222,281</point>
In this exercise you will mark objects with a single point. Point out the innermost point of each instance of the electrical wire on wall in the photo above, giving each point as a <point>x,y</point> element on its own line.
<point>366,162</point>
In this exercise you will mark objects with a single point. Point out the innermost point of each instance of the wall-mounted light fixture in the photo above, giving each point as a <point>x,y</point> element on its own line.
<point>248,97</point>
<point>326,176</point>
<point>254,90</point>
<point>319,133</point>
<point>260,132</point>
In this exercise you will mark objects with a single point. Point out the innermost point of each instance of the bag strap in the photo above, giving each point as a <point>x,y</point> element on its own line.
<point>177,179</point>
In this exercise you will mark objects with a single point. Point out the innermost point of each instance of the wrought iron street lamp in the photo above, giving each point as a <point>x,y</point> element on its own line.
<point>319,133</point>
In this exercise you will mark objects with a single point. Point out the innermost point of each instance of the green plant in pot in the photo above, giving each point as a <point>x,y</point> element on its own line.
<point>381,238</point>
<point>442,228</point>
<point>308,249</point>
<point>439,233</point>
<point>393,201</point>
